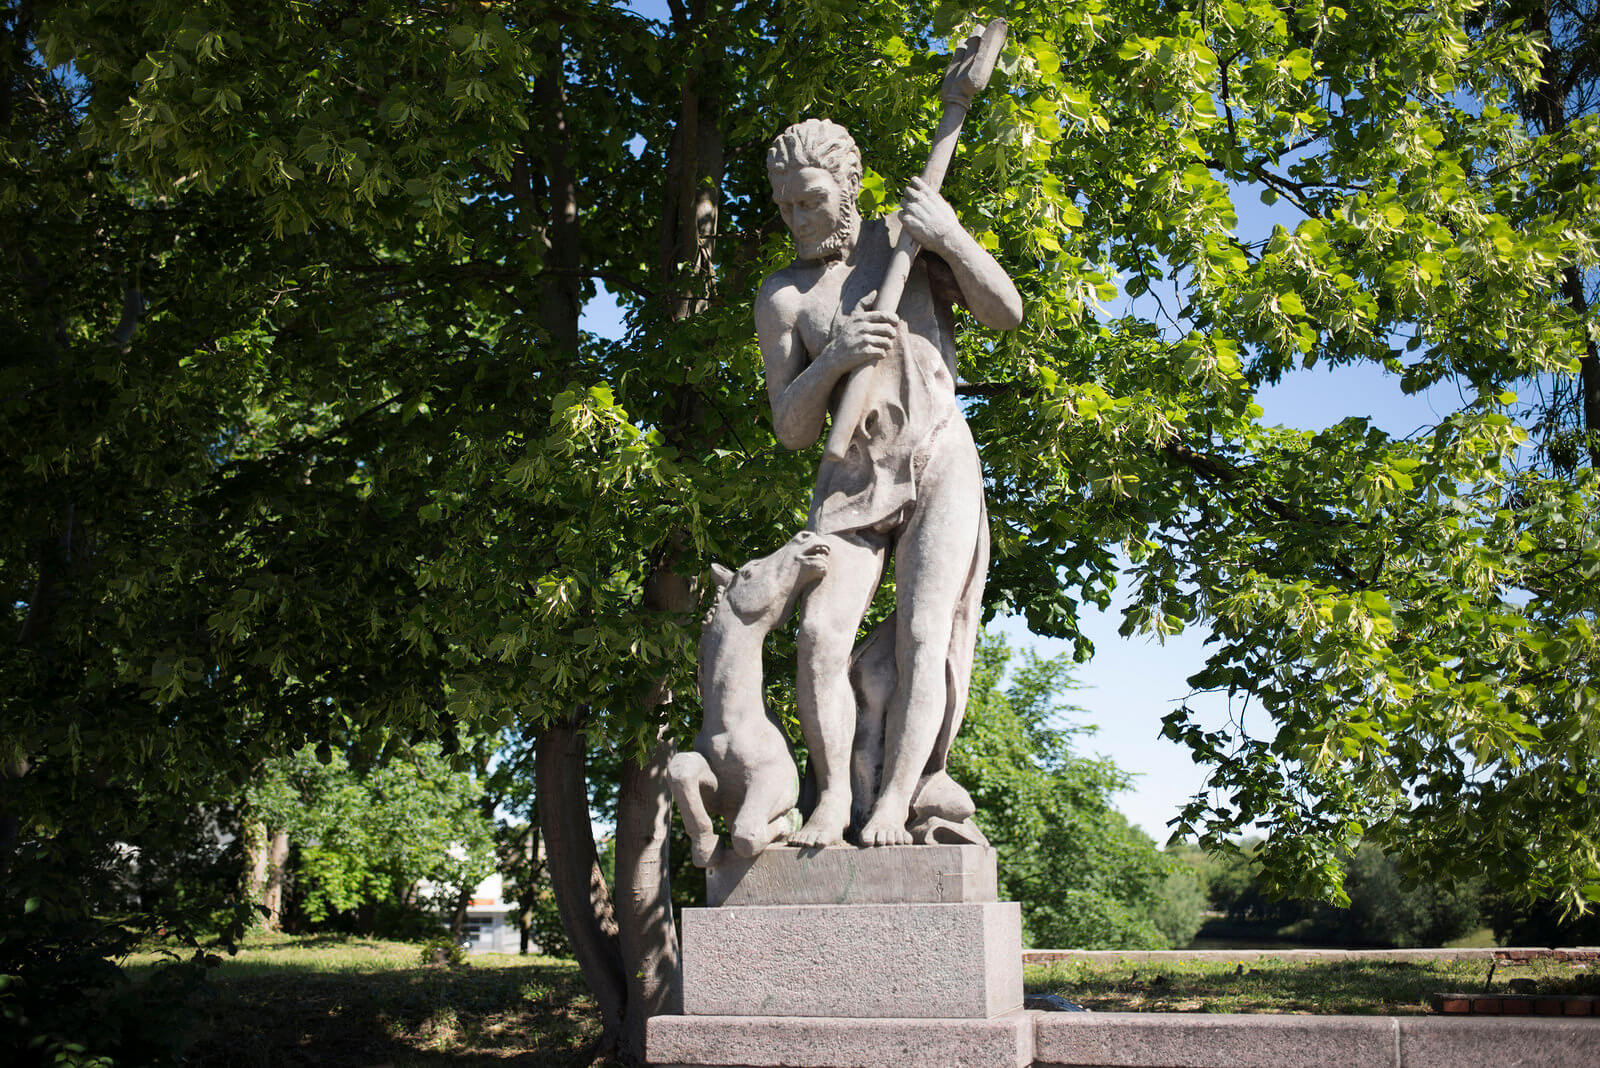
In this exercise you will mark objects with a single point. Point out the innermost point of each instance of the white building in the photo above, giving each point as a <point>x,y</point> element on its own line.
<point>489,927</point>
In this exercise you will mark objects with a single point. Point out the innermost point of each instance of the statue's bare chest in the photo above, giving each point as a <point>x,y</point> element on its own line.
<point>838,291</point>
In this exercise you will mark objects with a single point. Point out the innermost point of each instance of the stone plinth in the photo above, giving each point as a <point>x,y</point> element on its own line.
<point>846,875</point>
<point>926,961</point>
<point>810,1042</point>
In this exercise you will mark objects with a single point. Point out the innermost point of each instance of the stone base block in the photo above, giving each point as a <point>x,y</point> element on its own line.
<point>960,961</point>
<point>846,875</point>
<point>809,1042</point>
<point>1203,1040</point>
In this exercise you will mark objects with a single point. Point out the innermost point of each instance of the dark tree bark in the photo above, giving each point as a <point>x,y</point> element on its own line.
<point>1588,364</point>
<point>626,946</point>
<point>580,887</point>
<point>528,884</point>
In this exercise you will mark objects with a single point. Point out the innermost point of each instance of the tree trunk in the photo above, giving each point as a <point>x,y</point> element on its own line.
<point>528,884</point>
<point>254,837</point>
<point>644,804</point>
<point>561,294</point>
<point>644,901</point>
<point>575,876</point>
<point>272,888</point>
<point>1588,365</point>
<point>1566,58</point>
<point>458,914</point>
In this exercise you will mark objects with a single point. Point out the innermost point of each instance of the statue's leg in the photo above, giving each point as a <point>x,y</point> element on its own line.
<point>829,619</point>
<point>872,677</point>
<point>933,557</point>
<point>692,780</point>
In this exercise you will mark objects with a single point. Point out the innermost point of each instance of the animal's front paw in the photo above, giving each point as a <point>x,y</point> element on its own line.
<point>703,849</point>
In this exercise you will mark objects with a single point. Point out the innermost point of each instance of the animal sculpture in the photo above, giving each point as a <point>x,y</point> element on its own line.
<point>741,767</point>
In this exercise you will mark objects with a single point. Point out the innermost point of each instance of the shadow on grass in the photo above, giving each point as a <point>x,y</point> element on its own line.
<point>1355,988</point>
<point>533,1014</point>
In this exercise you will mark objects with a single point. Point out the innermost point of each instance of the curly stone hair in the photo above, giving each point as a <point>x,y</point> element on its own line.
<point>817,143</point>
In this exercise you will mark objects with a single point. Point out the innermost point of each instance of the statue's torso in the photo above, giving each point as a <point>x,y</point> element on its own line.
<point>912,399</point>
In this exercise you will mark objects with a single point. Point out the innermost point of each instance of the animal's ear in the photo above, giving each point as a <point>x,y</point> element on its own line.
<point>721,575</point>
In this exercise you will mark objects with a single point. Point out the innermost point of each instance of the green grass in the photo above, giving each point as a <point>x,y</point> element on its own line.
<point>337,1002</point>
<point>344,1002</point>
<point>1361,988</point>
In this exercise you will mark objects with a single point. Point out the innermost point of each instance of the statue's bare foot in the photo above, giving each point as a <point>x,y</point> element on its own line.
<point>886,830</point>
<point>826,825</point>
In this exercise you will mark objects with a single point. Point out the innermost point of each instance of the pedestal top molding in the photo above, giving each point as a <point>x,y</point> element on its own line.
<point>846,875</point>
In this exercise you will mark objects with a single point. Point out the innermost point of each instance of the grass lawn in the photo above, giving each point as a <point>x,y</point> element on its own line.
<point>1360,988</point>
<point>345,1002</point>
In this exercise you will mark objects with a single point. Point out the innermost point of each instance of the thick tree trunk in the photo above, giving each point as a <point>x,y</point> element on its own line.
<point>560,292</point>
<point>693,199</point>
<point>575,876</point>
<point>644,902</point>
<point>458,913</point>
<point>1567,56</point>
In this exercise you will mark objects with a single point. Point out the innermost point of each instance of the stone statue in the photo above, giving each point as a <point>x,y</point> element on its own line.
<point>907,487</point>
<point>741,767</point>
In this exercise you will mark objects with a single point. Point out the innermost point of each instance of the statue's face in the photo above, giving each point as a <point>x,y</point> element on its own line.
<point>819,212</point>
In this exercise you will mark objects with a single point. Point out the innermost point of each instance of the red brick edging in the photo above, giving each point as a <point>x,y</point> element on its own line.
<point>1515,1004</point>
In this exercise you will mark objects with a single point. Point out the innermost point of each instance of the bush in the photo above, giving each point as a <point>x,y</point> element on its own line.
<point>1181,909</point>
<point>1088,919</point>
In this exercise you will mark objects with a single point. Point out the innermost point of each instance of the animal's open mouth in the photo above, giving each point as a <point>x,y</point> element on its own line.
<point>815,555</point>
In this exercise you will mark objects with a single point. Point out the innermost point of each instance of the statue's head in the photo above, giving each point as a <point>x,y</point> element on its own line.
<point>815,169</point>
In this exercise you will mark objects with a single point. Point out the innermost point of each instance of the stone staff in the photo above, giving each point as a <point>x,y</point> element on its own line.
<point>967,74</point>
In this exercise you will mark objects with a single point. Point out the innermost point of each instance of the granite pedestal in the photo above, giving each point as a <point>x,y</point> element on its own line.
<point>845,875</point>
<point>836,957</point>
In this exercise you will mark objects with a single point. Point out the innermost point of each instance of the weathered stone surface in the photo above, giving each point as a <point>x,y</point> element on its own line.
<point>845,875</point>
<point>926,961</point>
<point>1191,1040</point>
<point>808,1042</point>
<point>1527,1042</point>
<point>1184,1040</point>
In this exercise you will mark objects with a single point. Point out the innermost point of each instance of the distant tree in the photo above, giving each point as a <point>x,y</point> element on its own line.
<point>1084,876</point>
<point>1385,908</point>
<point>1181,910</point>
<point>1518,922</point>
<point>368,841</point>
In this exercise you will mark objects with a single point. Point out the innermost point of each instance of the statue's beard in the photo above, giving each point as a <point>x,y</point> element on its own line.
<point>838,244</point>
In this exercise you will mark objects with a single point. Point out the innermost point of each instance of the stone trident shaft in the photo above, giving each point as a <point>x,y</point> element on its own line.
<point>967,74</point>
